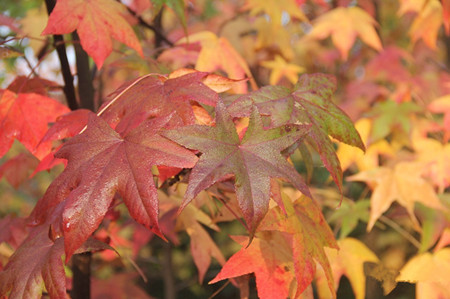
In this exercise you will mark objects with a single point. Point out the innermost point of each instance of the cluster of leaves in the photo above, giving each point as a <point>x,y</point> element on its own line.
<point>187,149</point>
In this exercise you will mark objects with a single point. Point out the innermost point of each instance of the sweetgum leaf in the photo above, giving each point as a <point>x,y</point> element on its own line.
<point>101,163</point>
<point>268,256</point>
<point>25,117</point>
<point>253,160</point>
<point>308,234</point>
<point>35,263</point>
<point>96,22</point>
<point>308,103</point>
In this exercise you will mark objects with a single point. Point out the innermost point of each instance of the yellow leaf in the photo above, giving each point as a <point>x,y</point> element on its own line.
<point>275,9</point>
<point>426,25</point>
<point>33,24</point>
<point>402,183</point>
<point>344,24</point>
<point>349,261</point>
<point>436,157</point>
<point>349,154</point>
<point>281,68</point>
<point>430,272</point>
<point>218,54</point>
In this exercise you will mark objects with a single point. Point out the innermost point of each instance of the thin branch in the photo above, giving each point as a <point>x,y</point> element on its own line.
<point>159,35</point>
<point>219,290</point>
<point>58,42</point>
<point>400,230</point>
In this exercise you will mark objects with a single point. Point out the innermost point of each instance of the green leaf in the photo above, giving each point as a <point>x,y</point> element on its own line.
<point>253,160</point>
<point>308,103</point>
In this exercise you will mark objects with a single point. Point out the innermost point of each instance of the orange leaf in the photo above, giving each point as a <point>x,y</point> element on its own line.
<point>275,9</point>
<point>269,257</point>
<point>426,25</point>
<point>344,24</point>
<point>402,183</point>
<point>25,117</point>
<point>96,21</point>
<point>218,54</point>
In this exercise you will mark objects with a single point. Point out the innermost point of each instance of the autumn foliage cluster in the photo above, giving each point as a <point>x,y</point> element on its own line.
<point>296,149</point>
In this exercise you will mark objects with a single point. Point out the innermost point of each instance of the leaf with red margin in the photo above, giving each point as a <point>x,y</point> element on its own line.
<point>157,96</point>
<point>308,103</point>
<point>101,163</point>
<point>37,262</point>
<point>253,161</point>
<point>308,233</point>
<point>96,21</point>
<point>25,117</point>
<point>268,256</point>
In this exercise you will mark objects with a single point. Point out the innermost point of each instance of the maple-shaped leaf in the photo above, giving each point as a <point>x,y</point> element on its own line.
<point>67,125</point>
<point>37,262</point>
<point>349,261</point>
<point>25,117</point>
<point>402,183</point>
<point>281,68</point>
<point>344,24</point>
<point>23,84</point>
<point>13,230</point>
<point>269,256</point>
<point>308,234</point>
<point>158,96</point>
<point>309,102</point>
<point>218,54</point>
<point>96,21</point>
<point>253,160</point>
<point>427,22</point>
<point>429,271</point>
<point>101,163</point>
<point>390,116</point>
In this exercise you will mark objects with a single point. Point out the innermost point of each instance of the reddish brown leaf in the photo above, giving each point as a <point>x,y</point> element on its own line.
<point>157,96</point>
<point>13,230</point>
<point>25,117</point>
<point>96,21</point>
<point>22,84</point>
<point>101,163</point>
<point>253,160</point>
<point>67,125</point>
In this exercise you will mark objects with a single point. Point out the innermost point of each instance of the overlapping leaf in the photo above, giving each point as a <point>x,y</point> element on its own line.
<point>157,96</point>
<point>253,160</point>
<point>308,103</point>
<point>101,163</point>
<point>308,234</point>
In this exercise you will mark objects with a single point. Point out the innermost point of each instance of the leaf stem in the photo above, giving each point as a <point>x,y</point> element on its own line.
<point>400,230</point>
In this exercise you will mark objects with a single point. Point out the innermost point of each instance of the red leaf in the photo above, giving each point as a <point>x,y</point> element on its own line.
<point>25,117</point>
<point>253,160</point>
<point>13,230</point>
<point>96,21</point>
<point>269,257</point>
<point>22,84</point>
<point>152,96</point>
<point>18,169</point>
<point>101,163</point>
<point>35,263</point>
<point>67,125</point>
